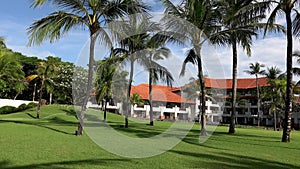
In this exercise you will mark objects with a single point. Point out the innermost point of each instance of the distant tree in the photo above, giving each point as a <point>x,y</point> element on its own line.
<point>12,77</point>
<point>255,69</point>
<point>45,72</point>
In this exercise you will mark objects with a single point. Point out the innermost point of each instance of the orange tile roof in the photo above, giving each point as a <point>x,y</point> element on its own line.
<point>246,83</point>
<point>159,93</point>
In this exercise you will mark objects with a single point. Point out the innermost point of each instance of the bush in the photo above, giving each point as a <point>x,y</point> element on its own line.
<point>11,109</point>
<point>22,107</point>
<point>8,109</point>
<point>31,105</point>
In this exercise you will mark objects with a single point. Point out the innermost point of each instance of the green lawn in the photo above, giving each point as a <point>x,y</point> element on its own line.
<point>49,142</point>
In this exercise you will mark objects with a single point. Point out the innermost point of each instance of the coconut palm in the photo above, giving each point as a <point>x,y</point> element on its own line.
<point>155,50</point>
<point>202,15</point>
<point>81,14</point>
<point>287,8</point>
<point>255,69</point>
<point>141,42</point>
<point>273,72</point>
<point>45,71</point>
<point>240,23</point>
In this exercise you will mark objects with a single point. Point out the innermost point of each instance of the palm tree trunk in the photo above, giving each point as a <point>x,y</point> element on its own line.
<point>33,94</point>
<point>40,101</point>
<point>289,91</point>
<point>150,97</point>
<point>89,84</point>
<point>105,107</point>
<point>234,84</point>
<point>128,92</point>
<point>275,121</point>
<point>203,131</point>
<point>258,102</point>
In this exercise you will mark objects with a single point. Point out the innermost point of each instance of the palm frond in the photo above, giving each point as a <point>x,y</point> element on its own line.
<point>190,58</point>
<point>53,27</point>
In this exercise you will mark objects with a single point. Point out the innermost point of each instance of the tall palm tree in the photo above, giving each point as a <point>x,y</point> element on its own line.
<point>255,69</point>
<point>156,51</point>
<point>287,8</point>
<point>81,14</point>
<point>272,74</point>
<point>201,14</point>
<point>240,23</point>
<point>141,42</point>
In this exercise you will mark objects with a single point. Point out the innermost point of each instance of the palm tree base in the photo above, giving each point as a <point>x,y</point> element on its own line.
<point>203,132</point>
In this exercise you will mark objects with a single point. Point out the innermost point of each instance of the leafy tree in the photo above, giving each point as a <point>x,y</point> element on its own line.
<point>255,69</point>
<point>12,76</point>
<point>79,14</point>
<point>287,8</point>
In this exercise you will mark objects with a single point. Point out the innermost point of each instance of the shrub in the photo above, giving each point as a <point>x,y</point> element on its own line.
<point>22,107</point>
<point>31,105</point>
<point>8,109</point>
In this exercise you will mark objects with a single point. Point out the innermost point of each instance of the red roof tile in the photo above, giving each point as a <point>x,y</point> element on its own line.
<point>247,83</point>
<point>159,93</point>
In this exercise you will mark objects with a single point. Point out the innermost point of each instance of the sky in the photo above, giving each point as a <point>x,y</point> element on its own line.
<point>16,16</point>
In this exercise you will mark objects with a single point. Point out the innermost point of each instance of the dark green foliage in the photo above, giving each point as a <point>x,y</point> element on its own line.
<point>12,109</point>
<point>8,109</point>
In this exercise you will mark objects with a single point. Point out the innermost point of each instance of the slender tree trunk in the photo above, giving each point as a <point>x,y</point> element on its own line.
<point>234,84</point>
<point>128,92</point>
<point>16,96</point>
<point>89,84</point>
<point>258,102</point>
<point>289,91</point>
<point>40,101</point>
<point>203,131</point>
<point>33,94</point>
<point>105,109</point>
<point>150,96</point>
<point>50,98</point>
<point>275,121</point>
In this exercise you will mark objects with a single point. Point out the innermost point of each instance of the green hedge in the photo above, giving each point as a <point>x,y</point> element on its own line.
<point>11,109</point>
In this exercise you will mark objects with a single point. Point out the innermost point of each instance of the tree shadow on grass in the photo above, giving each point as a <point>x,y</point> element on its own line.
<point>228,160</point>
<point>38,124</point>
<point>30,115</point>
<point>95,163</point>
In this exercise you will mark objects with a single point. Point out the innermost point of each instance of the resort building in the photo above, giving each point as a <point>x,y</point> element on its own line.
<point>176,103</point>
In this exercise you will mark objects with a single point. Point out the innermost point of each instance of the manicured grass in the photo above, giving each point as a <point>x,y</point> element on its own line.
<point>49,142</point>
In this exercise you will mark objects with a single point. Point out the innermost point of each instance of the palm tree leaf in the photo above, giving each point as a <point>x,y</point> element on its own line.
<point>53,27</point>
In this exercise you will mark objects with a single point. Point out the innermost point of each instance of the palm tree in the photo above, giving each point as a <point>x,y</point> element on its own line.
<point>255,69</point>
<point>201,14</point>
<point>46,70</point>
<point>273,72</point>
<point>141,42</point>
<point>240,23</point>
<point>156,51</point>
<point>79,14</point>
<point>287,7</point>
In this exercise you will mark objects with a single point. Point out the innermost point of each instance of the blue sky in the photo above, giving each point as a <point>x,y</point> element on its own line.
<point>16,16</point>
